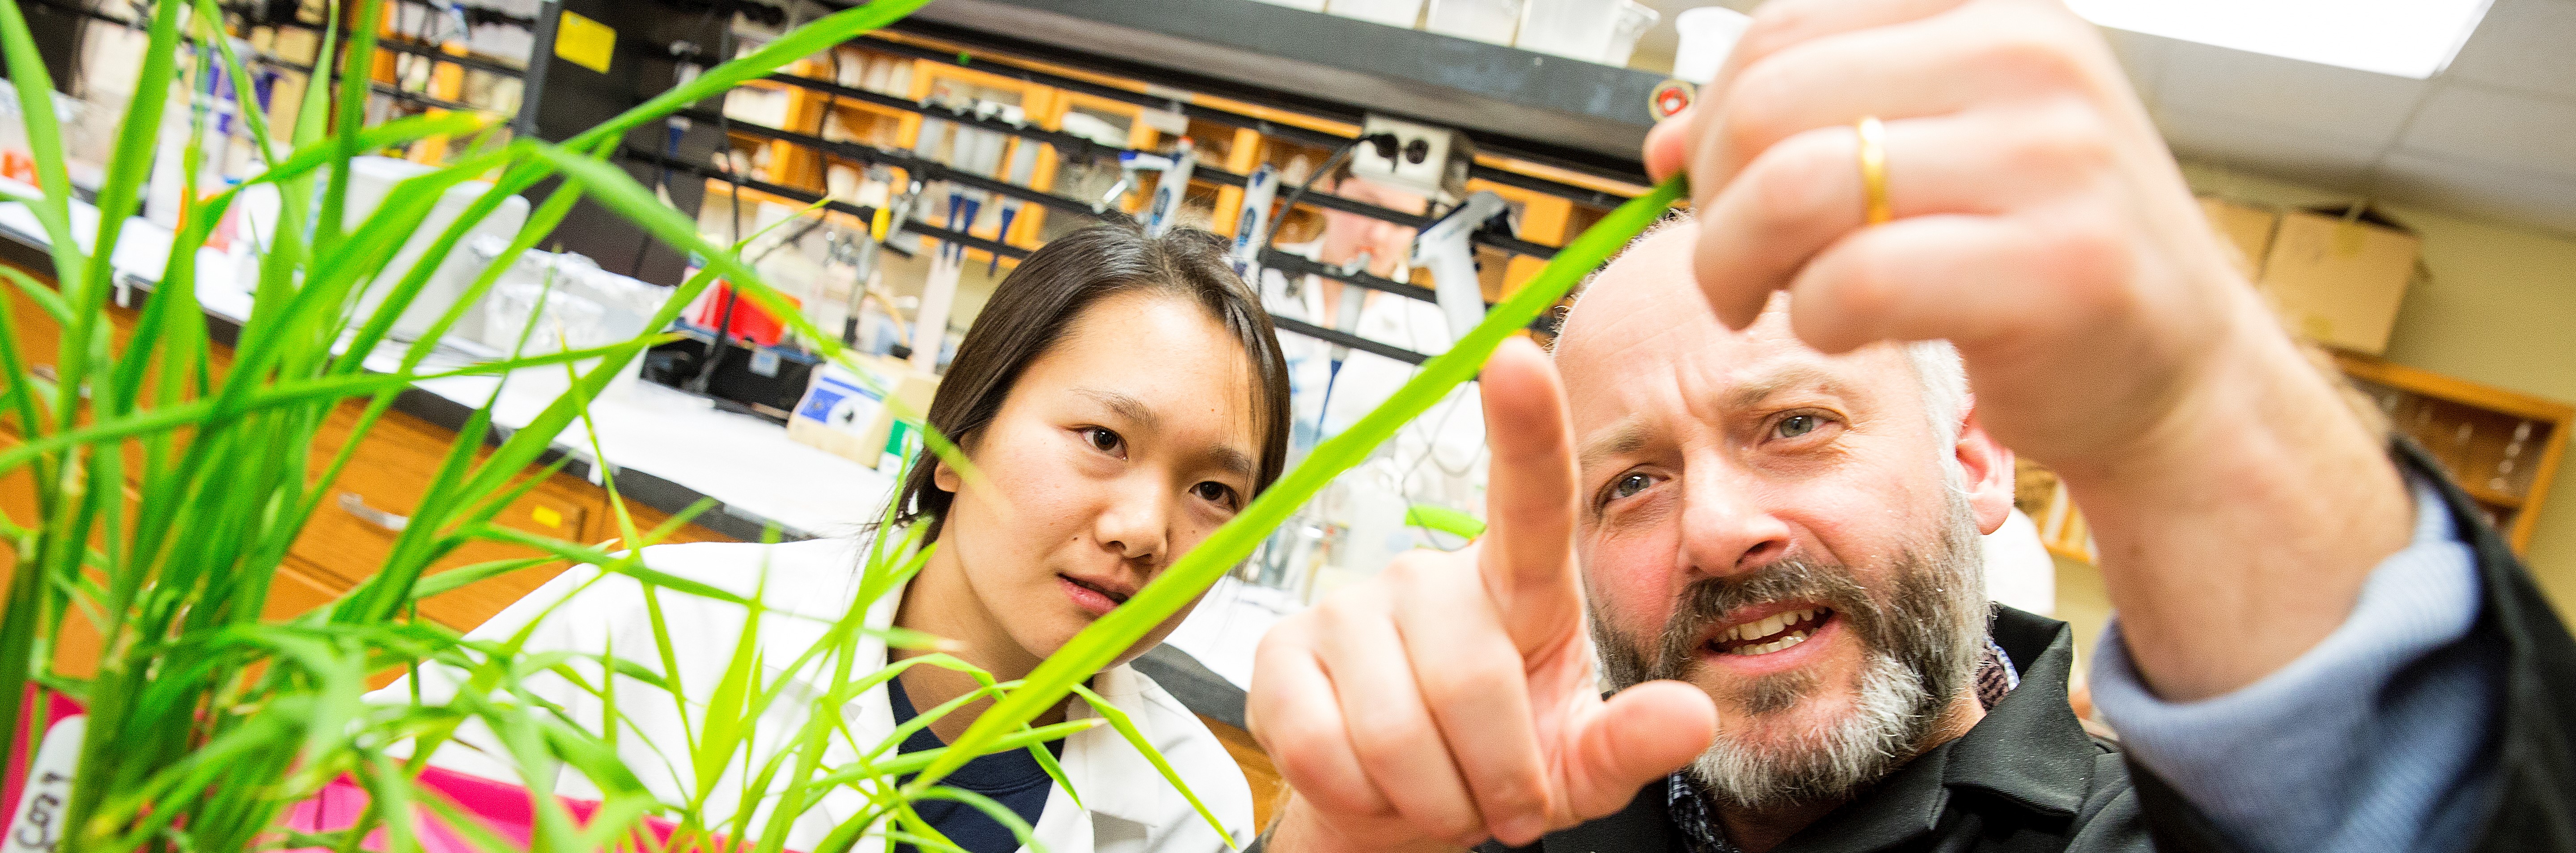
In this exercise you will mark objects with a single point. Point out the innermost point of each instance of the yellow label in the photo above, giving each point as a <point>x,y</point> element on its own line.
<point>584,42</point>
<point>547,515</point>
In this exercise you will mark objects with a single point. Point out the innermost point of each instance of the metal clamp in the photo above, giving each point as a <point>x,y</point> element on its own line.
<point>353,504</point>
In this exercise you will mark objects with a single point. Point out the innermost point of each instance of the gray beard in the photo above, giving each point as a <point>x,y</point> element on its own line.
<point>1920,649</point>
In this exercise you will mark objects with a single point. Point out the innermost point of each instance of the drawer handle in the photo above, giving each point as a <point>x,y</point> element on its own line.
<point>351,503</point>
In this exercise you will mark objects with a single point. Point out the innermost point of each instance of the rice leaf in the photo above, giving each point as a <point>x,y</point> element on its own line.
<point>1190,575</point>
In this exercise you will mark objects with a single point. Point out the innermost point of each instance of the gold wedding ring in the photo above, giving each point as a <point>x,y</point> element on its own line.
<point>1873,168</point>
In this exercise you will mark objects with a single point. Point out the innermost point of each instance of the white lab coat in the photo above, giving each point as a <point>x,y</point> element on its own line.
<point>1131,809</point>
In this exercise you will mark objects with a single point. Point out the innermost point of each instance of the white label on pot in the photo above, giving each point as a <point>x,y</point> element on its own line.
<point>38,824</point>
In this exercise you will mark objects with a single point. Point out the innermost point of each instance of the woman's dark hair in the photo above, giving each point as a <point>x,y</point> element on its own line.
<point>1032,307</point>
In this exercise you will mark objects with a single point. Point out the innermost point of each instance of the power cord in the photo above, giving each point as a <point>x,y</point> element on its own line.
<point>724,315</point>
<point>1385,144</point>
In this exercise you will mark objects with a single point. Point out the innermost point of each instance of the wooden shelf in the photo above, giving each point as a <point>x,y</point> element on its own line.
<point>2491,497</point>
<point>2439,404</point>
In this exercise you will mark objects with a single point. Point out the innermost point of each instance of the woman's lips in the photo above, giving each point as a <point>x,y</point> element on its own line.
<point>1093,598</point>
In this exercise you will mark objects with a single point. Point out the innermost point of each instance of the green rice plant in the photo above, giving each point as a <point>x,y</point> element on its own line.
<point>208,722</point>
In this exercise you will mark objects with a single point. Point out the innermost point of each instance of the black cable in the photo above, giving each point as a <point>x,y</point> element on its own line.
<point>724,315</point>
<point>789,240</point>
<point>670,151</point>
<point>1330,163</point>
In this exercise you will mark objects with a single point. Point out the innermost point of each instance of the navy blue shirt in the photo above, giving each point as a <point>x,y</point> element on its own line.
<point>1012,778</point>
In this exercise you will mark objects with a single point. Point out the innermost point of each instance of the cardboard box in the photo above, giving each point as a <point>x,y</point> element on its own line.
<point>2339,282</point>
<point>2247,228</point>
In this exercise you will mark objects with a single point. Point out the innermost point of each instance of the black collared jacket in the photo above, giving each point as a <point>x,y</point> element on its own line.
<point>2028,778</point>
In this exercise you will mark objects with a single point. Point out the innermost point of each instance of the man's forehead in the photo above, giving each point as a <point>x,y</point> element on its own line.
<point>1643,321</point>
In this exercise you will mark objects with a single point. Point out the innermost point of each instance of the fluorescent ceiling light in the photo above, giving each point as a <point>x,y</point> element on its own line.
<point>2407,38</point>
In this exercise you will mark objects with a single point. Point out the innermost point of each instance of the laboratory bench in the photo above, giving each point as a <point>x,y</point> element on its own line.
<point>668,451</point>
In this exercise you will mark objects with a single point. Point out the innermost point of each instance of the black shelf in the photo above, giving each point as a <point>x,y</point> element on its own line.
<point>1532,106</point>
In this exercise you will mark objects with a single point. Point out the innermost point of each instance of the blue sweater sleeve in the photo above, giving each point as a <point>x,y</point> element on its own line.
<point>2370,741</point>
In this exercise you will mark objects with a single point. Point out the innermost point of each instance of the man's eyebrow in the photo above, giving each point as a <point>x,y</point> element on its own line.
<point>1126,405</point>
<point>1627,437</point>
<point>1761,388</point>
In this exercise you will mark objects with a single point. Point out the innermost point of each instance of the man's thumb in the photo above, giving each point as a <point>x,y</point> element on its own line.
<point>1637,736</point>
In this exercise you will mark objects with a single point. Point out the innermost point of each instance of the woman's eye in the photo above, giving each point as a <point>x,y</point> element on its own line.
<point>1102,440</point>
<point>1797,425</point>
<point>1215,493</point>
<point>1628,485</point>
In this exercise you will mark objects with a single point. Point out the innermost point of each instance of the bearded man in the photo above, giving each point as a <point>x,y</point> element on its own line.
<point>1758,511</point>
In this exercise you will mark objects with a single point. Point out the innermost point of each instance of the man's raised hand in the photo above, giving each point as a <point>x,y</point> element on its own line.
<point>1451,698</point>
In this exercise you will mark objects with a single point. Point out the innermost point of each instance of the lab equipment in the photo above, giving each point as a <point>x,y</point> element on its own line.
<point>1252,225</point>
<point>1489,21</point>
<point>371,178</point>
<point>1588,30</point>
<point>1393,13</point>
<point>1630,23</point>
<point>1708,34</point>
<point>1444,247</point>
<point>1164,211</point>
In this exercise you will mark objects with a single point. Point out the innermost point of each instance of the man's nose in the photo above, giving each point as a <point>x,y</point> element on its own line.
<point>1726,527</point>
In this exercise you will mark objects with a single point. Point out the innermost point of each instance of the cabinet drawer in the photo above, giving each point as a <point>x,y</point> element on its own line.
<point>353,532</point>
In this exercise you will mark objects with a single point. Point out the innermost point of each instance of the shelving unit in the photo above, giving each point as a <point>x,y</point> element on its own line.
<point>2502,447</point>
<point>842,109</point>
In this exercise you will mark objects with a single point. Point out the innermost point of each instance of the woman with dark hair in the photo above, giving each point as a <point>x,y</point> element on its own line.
<point>1119,397</point>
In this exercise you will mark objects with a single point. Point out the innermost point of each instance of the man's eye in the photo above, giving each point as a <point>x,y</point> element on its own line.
<point>1102,440</point>
<point>1629,485</point>
<point>1797,425</point>
<point>1215,493</point>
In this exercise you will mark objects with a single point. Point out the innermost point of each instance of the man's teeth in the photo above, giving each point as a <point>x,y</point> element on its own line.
<point>1769,626</point>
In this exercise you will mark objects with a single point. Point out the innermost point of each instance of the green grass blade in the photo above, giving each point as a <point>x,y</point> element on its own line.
<point>44,142</point>
<point>130,164</point>
<point>1443,519</point>
<point>1126,727</point>
<point>1180,584</point>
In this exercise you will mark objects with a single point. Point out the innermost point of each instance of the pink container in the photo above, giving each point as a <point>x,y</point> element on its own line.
<point>502,808</point>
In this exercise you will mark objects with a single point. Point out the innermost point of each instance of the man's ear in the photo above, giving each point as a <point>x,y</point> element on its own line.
<point>1988,468</point>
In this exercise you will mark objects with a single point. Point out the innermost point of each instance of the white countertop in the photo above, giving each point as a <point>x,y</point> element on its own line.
<point>745,462</point>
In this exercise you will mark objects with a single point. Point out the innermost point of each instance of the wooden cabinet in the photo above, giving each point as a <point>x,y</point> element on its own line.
<point>2502,447</point>
<point>354,530</point>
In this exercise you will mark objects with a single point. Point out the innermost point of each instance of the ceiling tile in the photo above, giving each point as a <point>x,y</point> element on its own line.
<point>2497,127</point>
<point>2287,93</point>
<point>2523,44</point>
<point>2530,199</point>
<point>2287,153</point>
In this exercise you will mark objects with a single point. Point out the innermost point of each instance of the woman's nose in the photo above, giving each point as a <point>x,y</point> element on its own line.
<point>1134,520</point>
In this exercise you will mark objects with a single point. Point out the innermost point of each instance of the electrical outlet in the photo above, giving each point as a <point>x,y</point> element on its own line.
<point>1422,158</point>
